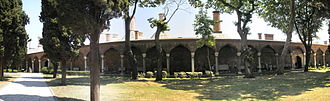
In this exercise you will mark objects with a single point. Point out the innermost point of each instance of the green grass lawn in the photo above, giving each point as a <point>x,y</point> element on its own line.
<point>295,85</point>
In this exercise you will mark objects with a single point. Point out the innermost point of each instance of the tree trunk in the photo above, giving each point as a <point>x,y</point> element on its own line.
<point>159,55</point>
<point>128,49</point>
<point>308,53</point>
<point>208,58</point>
<point>244,52</point>
<point>95,66</point>
<point>55,70</point>
<point>63,68</point>
<point>1,70</point>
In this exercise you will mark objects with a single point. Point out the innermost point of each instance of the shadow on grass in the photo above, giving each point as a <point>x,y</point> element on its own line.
<point>20,97</point>
<point>266,87</point>
<point>85,80</point>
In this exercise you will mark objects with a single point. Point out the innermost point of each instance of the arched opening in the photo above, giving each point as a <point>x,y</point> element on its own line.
<point>297,52</point>
<point>204,59</point>
<point>180,60</point>
<point>327,58</point>
<point>319,58</point>
<point>253,59</point>
<point>78,62</point>
<point>112,61</point>
<point>268,58</point>
<point>36,64</point>
<point>151,62</point>
<point>228,59</point>
<point>298,63</point>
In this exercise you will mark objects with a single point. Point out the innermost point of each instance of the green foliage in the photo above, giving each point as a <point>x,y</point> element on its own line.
<point>277,13</point>
<point>202,27</point>
<point>59,42</point>
<point>209,73</point>
<point>149,74</point>
<point>86,16</point>
<point>158,23</point>
<point>13,37</point>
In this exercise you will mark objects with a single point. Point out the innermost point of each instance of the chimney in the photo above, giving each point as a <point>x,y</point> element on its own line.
<point>107,37</point>
<point>136,35</point>
<point>259,36</point>
<point>161,16</point>
<point>132,25</point>
<point>269,37</point>
<point>216,26</point>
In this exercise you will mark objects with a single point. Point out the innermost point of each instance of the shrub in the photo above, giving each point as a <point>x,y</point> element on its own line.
<point>182,74</point>
<point>141,75</point>
<point>209,73</point>
<point>149,74</point>
<point>44,70</point>
<point>176,74</point>
<point>164,74</point>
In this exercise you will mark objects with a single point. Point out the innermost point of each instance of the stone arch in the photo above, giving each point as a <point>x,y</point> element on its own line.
<point>44,61</point>
<point>203,56</point>
<point>29,64</point>
<point>151,62</point>
<point>327,58</point>
<point>319,58</point>
<point>78,62</point>
<point>228,59</point>
<point>268,58</point>
<point>112,61</point>
<point>180,59</point>
<point>254,58</point>
<point>35,67</point>
<point>298,59</point>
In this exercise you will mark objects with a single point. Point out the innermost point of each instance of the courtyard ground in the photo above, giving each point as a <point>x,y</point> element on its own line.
<point>292,86</point>
<point>8,78</point>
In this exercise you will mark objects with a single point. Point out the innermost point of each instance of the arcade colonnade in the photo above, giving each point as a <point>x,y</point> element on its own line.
<point>183,55</point>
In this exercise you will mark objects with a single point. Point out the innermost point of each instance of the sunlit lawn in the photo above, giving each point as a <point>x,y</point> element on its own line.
<point>314,85</point>
<point>8,78</point>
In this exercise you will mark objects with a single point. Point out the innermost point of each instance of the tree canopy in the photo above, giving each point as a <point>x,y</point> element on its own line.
<point>14,38</point>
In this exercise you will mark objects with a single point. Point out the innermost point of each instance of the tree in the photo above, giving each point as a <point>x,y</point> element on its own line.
<point>307,23</point>
<point>59,43</point>
<point>202,27</point>
<point>128,18</point>
<point>280,14</point>
<point>244,10</point>
<point>12,31</point>
<point>162,25</point>
<point>90,18</point>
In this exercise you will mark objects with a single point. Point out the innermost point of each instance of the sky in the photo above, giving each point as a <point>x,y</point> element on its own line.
<point>180,25</point>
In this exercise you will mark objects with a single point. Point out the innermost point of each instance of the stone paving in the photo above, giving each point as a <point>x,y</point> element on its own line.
<point>28,87</point>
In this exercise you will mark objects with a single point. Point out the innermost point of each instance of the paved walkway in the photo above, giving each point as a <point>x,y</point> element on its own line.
<point>29,87</point>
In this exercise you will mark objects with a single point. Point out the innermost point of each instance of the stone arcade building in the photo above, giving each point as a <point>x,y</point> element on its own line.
<point>182,54</point>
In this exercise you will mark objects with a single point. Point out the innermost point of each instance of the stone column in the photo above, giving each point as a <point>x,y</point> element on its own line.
<point>144,62</point>
<point>314,56</point>
<point>48,64</point>
<point>71,65</point>
<point>276,58</point>
<point>39,65</point>
<point>102,63</point>
<point>292,63</point>
<point>216,54</point>
<point>26,65</point>
<point>303,58</point>
<point>168,62</point>
<point>85,62</point>
<point>259,62</point>
<point>32,66</point>
<point>239,63</point>
<point>323,56</point>
<point>192,62</point>
<point>122,64</point>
